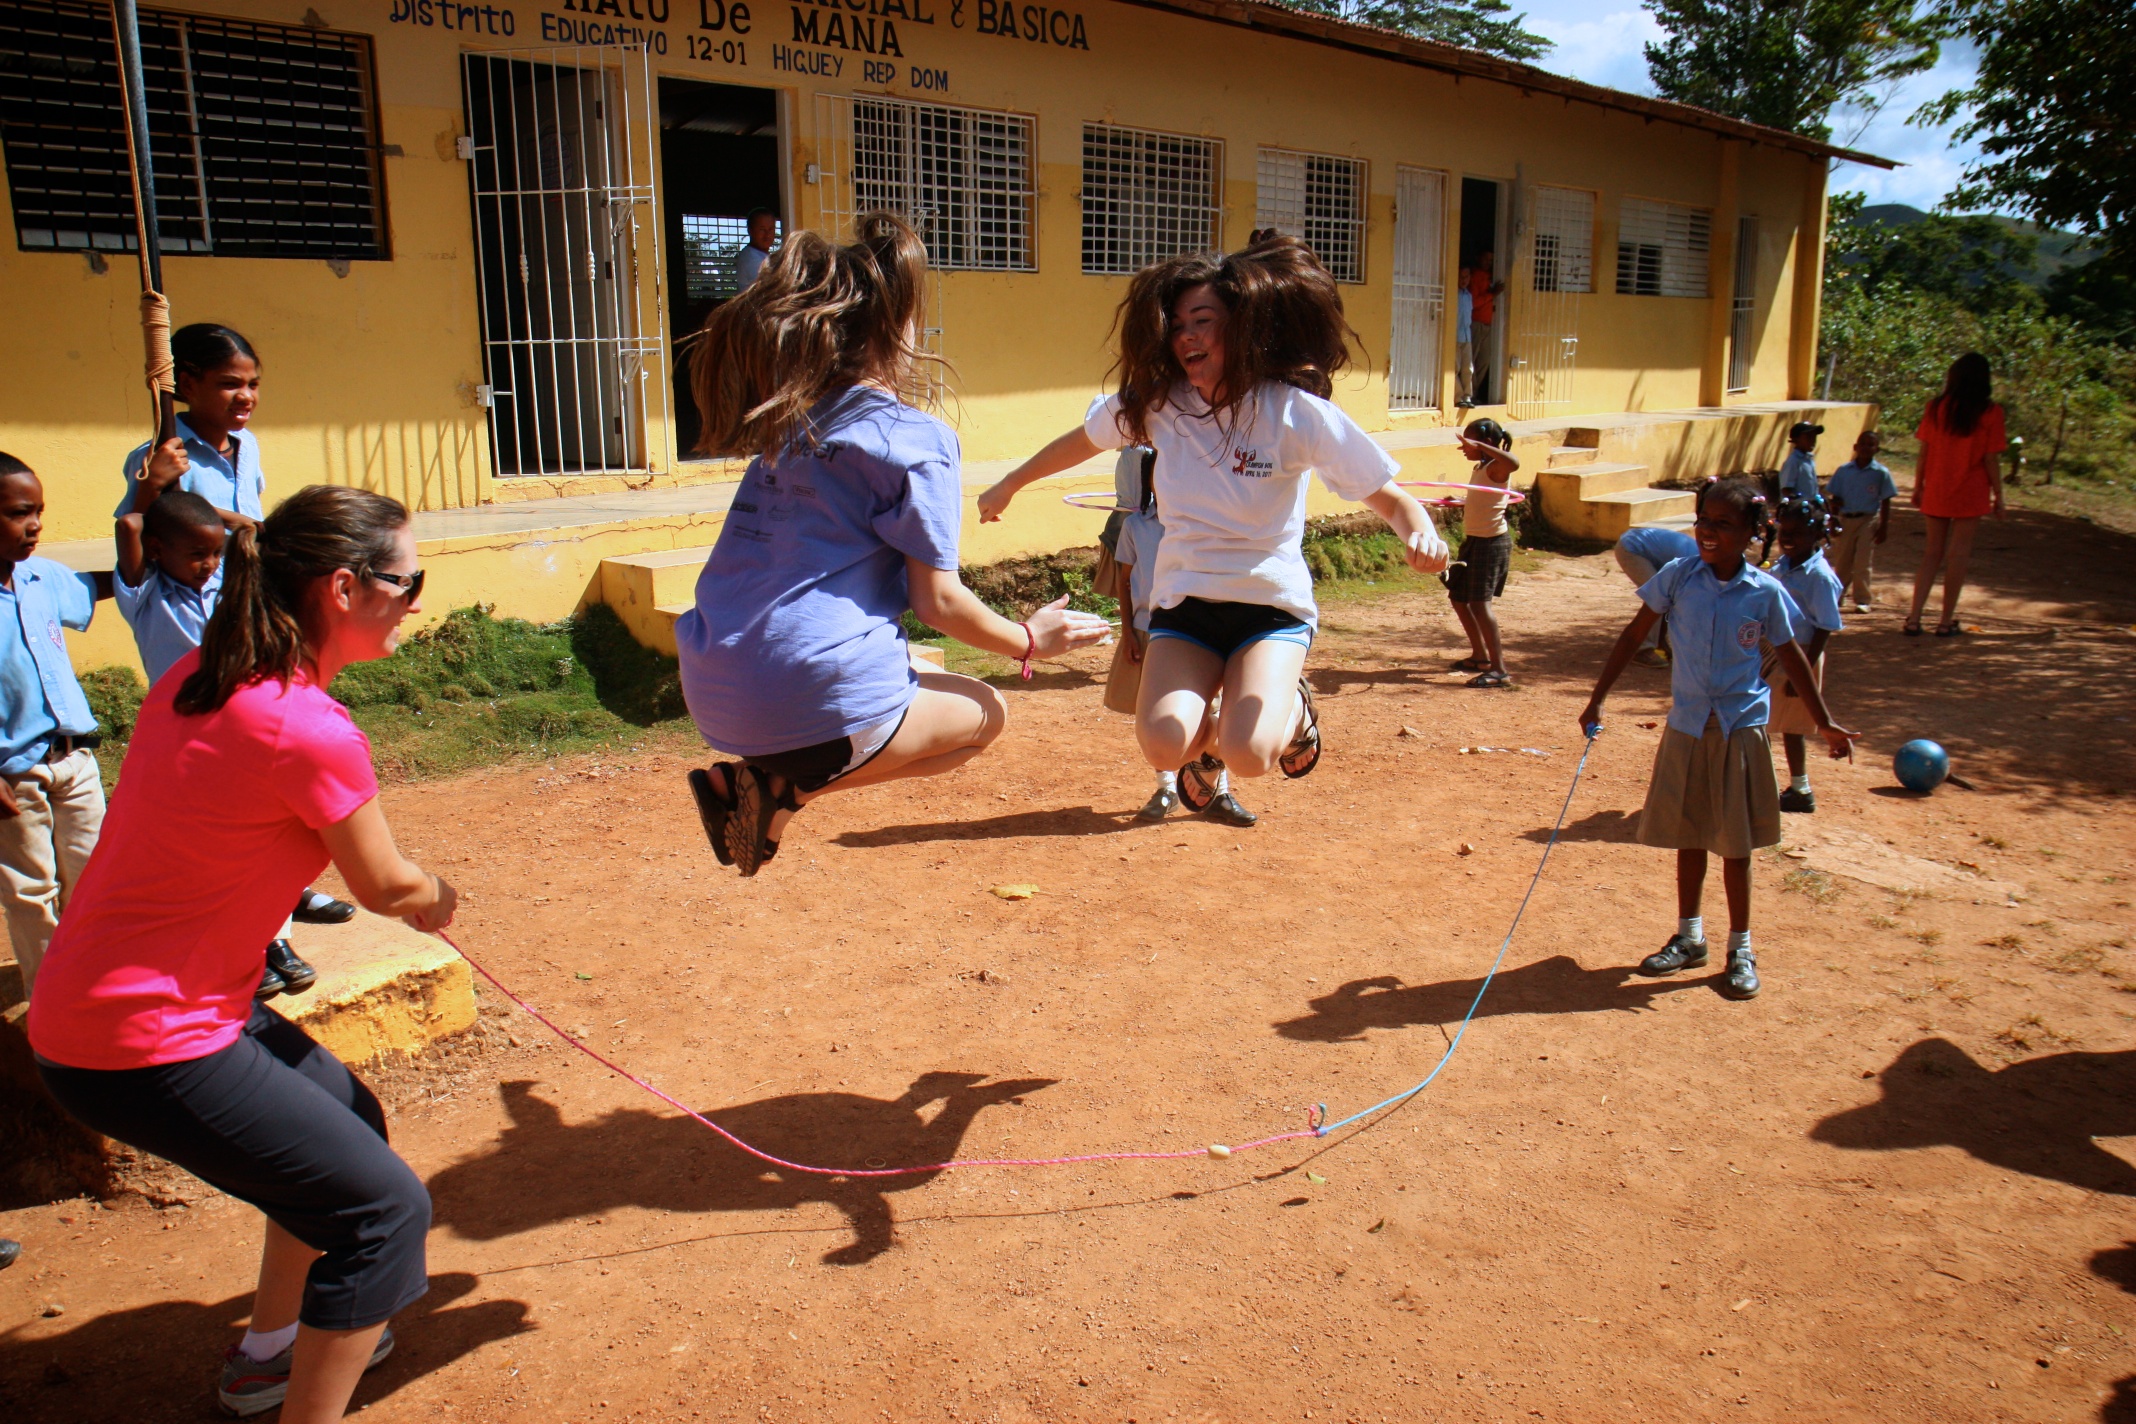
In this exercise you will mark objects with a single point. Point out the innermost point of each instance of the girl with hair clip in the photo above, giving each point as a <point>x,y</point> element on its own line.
<point>243,780</point>
<point>1226,367</point>
<point>1957,479</point>
<point>794,660</point>
<point>1712,791</point>
<point>1801,528</point>
<point>1486,551</point>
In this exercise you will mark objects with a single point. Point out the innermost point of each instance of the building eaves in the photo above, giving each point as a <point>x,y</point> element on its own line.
<point>1279,19</point>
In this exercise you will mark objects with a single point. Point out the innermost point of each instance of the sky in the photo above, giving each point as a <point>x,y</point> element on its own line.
<point>1601,41</point>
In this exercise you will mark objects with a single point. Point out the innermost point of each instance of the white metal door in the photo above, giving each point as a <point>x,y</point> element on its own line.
<point>567,242</point>
<point>1554,269</point>
<point>1419,288</point>
<point>1745,305</point>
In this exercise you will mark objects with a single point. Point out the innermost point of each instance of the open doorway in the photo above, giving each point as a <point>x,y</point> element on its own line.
<point>719,163</point>
<point>1483,252</point>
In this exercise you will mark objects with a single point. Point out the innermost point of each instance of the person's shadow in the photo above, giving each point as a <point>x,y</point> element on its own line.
<point>544,1170</point>
<point>2037,1117</point>
<point>156,1361</point>
<point>2118,1264</point>
<point>1013,825</point>
<point>1557,985</point>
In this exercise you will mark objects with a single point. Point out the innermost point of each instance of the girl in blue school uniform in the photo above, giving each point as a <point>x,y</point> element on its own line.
<point>1802,527</point>
<point>1713,791</point>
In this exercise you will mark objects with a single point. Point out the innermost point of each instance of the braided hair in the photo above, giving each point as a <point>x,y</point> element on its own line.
<point>1739,495</point>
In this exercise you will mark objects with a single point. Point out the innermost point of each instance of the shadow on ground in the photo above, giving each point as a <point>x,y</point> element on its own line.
<point>158,1362</point>
<point>545,1170</point>
<point>1068,821</point>
<point>1557,985</point>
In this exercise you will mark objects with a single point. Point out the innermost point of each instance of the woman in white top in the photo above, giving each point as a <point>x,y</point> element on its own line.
<point>1226,365</point>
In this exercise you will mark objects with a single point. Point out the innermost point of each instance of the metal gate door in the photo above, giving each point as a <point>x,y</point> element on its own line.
<point>1743,309</point>
<point>567,242</point>
<point>1413,354</point>
<point>1556,266</point>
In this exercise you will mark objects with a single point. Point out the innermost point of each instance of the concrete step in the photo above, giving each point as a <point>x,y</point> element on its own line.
<point>1681,523</point>
<point>1601,477</point>
<point>1609,515</point>
<point>643,588</point>
<point>1563,455</point>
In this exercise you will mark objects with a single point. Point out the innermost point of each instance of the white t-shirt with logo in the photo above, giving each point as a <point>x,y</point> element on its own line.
<point>1231,490</point>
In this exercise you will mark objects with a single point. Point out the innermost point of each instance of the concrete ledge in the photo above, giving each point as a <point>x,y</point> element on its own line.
<point>382,988</point>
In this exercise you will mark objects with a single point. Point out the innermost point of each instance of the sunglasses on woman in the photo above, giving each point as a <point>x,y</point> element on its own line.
<point>410,585</point>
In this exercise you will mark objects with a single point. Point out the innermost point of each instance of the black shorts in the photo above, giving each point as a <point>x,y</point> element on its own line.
<point>277,1121</point>
<point>1224,628</point>
<point>813,768</point>
<point>1480,576</point>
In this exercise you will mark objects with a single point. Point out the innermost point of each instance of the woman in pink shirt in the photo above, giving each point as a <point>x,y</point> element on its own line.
<point>244,778</point>
<point>1957,479</point>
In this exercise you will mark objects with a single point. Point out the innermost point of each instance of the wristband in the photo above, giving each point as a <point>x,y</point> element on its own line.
<point>1030,649</point>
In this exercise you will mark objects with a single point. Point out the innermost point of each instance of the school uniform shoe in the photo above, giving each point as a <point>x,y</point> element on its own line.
<point>1861,608</point>
<point>1678,954</point>
<point>296,975</point>
<point>1652,657</point>
<point>1225,810</point>
<point>1801,803</point>
<point>1159,806</point>
<point>252,1386</point>
<point>1741,979</point>
<point>10,1252</point>
<point>271,984</point>
<point>314,908</point>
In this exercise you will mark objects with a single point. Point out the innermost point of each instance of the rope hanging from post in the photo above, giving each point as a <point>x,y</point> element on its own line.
<point>156,339</point>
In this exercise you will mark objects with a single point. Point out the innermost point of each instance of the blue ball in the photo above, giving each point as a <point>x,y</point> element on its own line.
<point>1921,765</point>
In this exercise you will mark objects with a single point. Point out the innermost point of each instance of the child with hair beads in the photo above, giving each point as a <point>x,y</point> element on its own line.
<point>1226,367</point>
<point>1479,575</point>
<point>1802,528</point>
<point>793,658</point>
<point>1712,791</point>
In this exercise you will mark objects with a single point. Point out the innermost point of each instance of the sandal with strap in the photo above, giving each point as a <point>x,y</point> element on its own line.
<point>1490,678</point>
<point>1948,630</point>
<point>1303,754</point>
<point>749,827</point>
<point>1197,782</point>
<point>1911,628</point>
<point>1470,664</point>
<point>715,807</point>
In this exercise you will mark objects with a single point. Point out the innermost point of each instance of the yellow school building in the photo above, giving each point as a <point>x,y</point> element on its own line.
<point>470,242</point>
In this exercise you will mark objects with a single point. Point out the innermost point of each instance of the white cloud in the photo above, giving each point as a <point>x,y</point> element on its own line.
<point>1606,48</point>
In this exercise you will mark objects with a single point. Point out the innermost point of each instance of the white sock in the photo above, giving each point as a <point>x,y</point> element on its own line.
<point>1223,781</point>
<point>1739,941</point>
<point>1168,780</point>
<point>261,1347</point>
<point>1800,781</point>
<point>1692,928</point>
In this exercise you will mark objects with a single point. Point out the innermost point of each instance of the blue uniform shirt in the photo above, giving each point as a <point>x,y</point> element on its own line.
<point>1798,475</point>
<point>1139,536</point>
<point>1814,587</point>
<point>1861,489</point>
<point>236,485</point>
<point>167,618</point>
<point>1715,630</point>
<point>1464,308</point>
<point>1658,546</point>
<point>39,696</point>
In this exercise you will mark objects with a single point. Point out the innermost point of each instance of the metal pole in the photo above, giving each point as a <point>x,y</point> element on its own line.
<point>133,87</point>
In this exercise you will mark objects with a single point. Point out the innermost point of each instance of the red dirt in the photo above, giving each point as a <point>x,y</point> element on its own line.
<point>1897,1186</point>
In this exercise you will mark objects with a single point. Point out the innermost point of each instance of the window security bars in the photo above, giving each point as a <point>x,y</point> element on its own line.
<point>1564,240</point>
<point>1148,196</point>
<point>265,136</point>
<point>1413,354</point>
<point>1319,199</point>
<point>1742,313</point>
<point>711,250</point>
<point>1662,249</point>
<point>961,176</point>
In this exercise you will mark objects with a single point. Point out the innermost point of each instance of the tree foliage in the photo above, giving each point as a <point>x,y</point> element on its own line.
<point>1471,24</point>
<point>1785,63</point>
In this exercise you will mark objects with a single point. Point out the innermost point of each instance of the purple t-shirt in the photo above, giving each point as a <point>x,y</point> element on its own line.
<point>795,637</point>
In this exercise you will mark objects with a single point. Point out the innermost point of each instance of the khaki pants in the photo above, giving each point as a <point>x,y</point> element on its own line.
<point>1852,554</point>
<point>1464,372</point>
<point>43,849</point>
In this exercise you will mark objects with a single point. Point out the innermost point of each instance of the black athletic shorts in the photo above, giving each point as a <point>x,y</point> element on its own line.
<point>1224,628</point>
<point>1481,574</point>
<point>277,1121</point>
<point>813,768</point>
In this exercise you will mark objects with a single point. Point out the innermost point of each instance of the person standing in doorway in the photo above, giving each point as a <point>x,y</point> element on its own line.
<point>1483,291</point>
<point>1464,342</point>
<point>763,233</point>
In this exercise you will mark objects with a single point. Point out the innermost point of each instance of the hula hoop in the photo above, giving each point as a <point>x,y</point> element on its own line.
<point>1513,496</point>
<point>1113,507</point>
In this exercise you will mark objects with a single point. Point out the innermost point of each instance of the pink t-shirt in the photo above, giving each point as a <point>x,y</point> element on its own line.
<point>213,832</point>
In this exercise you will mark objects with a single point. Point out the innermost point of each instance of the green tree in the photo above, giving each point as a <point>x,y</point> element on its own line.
<point>1785,63</point>
<point>1471,24</point>
<point>1982,263</point>
<point>2054,109</point>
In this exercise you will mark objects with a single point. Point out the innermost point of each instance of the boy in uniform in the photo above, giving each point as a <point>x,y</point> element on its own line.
<point>1862,491</point>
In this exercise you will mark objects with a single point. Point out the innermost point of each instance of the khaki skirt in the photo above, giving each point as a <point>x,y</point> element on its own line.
<point>1790,715</point>
<point>1712,793</point>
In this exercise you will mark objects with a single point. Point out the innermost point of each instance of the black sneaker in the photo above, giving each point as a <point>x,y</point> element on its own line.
<point>314,908</point>
<point>270,984</point>
<point>295,974</point>
<point>1160,804</point>
<point>1741,980</point>
<point>9,1251</point>
<point>1225,810</point>
<point>1800,803</point>
<point>1678,954</point>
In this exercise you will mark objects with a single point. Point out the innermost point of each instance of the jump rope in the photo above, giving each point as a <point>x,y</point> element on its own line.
<point>1083,499</point>
<point>1317,1124</point>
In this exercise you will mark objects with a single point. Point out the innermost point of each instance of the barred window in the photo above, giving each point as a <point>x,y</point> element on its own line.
<point>1148,196</point>
<point>711,251</point>
<point>1564,240</point>
<point>961,176</point>
<point>264,136</point>
<point>1662,249</point>
<point>1320,200</point>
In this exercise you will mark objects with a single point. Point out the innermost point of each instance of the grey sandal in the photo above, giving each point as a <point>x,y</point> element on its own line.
<point>1303,754</point>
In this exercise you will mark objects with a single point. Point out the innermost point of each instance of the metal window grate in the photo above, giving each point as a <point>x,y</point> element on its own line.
<point>265,136</point>
<point>1148,196</point>
<point>962,176</point>
<point>1564,240</point>
<point>711,251</point>
<point>1745,304</point>
<point>1662,249</point>
<point>1419,288</point>
<point>1319,199</point>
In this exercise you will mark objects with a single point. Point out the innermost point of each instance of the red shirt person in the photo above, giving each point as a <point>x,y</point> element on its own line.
<point>1957,479</point>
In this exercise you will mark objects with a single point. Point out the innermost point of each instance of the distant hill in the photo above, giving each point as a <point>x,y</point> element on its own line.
<point>2058,248</point>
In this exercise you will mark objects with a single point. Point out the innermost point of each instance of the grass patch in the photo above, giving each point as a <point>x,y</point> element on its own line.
<point>1815,884</point>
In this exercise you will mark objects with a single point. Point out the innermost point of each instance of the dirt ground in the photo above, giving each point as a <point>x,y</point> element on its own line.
<point>1898,1186</point>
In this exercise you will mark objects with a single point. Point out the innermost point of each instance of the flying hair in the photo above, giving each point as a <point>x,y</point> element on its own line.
<point>1283,322</point>
<point>819,318</point>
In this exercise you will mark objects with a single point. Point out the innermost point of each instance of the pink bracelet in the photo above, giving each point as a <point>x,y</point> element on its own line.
<point>1030,649</point>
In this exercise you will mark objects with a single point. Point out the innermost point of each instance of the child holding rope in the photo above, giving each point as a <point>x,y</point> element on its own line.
<point>793,659</point>
<point>1712,790</point>
<point>1227,366</point>
<point>1479,576</point>
<point>1803,526</point>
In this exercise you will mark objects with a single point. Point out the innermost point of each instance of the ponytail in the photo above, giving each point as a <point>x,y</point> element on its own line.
<point>257,630</point>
